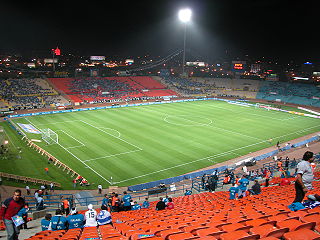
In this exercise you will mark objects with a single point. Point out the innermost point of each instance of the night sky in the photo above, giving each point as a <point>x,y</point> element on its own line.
<point>277,29</point>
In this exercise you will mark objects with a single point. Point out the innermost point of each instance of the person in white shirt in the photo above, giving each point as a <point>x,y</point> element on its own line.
<point>90,217</point>
<point>304,176</point>
<point>99,188</point>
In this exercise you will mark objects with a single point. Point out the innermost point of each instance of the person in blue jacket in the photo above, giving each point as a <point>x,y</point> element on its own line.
<point>233,191</point>
<point>244,182</point>
<point>46,222</point>
<point>58,222</point>
<point>146,203</point>
<point>75,220</point>
<point>136,206</point>
<point>126,201</point>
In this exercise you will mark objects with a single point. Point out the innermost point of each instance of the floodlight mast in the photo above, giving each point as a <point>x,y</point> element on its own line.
<point>185,17</point>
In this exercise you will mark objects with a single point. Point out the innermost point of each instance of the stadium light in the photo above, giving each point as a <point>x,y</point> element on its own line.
<point>185,17</point>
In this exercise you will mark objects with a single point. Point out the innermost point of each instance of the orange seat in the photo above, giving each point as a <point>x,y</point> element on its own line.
<point>237,235</point>
<point>256,222</point>
<point>262,230</point>
<point>181,236</point>
<point>140,235</point>
<point>233,227</point>
<point>293,224</point>
<point>311,218</point>
<point>167,232</point>
<point>302,234</point>
<point>211,231</point>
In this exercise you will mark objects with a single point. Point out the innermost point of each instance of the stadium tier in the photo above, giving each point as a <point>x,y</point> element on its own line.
<point>297,93</point>
<point>28,93</point>
<point>110,88</point>
<point>210,216</point>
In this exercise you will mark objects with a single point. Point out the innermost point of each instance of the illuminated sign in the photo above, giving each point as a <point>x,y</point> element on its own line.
<point>97,58</point>
<point>238,66</point>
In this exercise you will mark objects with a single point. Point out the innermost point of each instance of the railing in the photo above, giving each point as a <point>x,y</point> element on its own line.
<point>28,179</point>
<point>50,201</point>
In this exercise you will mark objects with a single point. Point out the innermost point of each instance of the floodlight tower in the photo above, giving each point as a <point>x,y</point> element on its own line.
<point>185,17</point>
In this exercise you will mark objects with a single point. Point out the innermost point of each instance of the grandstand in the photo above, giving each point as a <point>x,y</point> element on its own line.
<point>297,93</point>
<point>110,88</point>
<point>210,216</point>
<point>28,93</point>
<point>242,88</point>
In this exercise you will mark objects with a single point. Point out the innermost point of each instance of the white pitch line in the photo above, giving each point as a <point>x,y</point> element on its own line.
<point>213,156</point>
<point>221,128</point>
<point>56,122</point>
<point>111,135</point>
<point>92,159</point>
<point>71,137</point>
<point>79,159</point>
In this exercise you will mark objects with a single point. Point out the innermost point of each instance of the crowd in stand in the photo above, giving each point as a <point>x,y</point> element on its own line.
<point>14,210</point>
<point>101,87</point>
<point>27,92</point>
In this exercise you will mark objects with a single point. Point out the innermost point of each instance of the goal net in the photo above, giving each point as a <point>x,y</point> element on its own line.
<point>49,136</point>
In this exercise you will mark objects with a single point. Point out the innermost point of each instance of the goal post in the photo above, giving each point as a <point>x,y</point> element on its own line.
<point>49,136</point>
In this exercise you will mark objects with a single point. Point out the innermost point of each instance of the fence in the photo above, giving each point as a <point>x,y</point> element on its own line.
<point>28,179</point>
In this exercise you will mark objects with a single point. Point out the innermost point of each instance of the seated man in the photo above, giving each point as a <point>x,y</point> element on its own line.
<point>75,219</point>
<point>58,222</point>
<point>256,189</point>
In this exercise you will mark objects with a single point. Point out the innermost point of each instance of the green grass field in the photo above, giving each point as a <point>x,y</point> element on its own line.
<point>146,143</point>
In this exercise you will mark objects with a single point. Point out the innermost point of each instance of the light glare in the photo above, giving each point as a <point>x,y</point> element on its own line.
<point>185,15</point>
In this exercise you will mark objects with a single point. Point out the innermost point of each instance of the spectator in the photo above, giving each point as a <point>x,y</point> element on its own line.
<point>39,200</point>
<point>66,206</point>
<point>99,189</point>
<point>75,220</point>
<point>10,207</point>
<point>58,222</point>
<point>160,205</point>
<point>52,187</point>
<point>91,217</point>
<point>286,163</point>
<point>304,176</point>
<point>46,170</point>
<point>28,190</point>
<point>233,191</point>
<point>105,201</point>
<point>115,203</point>
<point>166,199</point>
<point>74,181</point>
<point>104,216</point>
<point>244,182</point>
<point>126,201</point>
<point>188,192</point>
<point>136,206</point>
<point>279,164</point>
<point>170,204</point>
<point>24,214</point>
<point>267,175</point>
<point>146,203</point>
<point>255,189</point>
<point>46,222</point>
<point>204,181</point>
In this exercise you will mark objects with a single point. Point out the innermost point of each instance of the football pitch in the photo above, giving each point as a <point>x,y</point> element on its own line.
<point>131,145</point>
